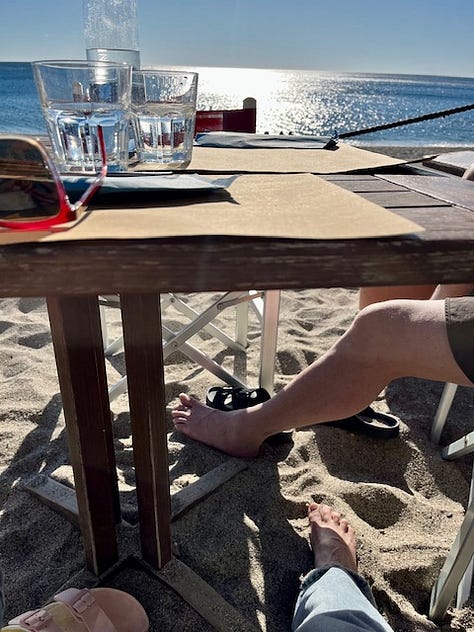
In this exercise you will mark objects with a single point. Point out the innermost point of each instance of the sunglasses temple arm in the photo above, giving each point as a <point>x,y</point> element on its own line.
<point>95,186</point>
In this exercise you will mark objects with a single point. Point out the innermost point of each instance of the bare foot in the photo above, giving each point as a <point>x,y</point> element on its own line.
<point>332,538</point>
<point>232,432</point>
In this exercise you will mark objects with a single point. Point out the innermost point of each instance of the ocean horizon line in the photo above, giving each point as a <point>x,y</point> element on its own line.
<point>327,72</point>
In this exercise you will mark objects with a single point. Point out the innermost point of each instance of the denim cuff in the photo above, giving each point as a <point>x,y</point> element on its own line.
<point>359,581</point>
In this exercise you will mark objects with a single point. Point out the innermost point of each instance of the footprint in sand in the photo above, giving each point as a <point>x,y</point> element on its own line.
<point>290,362</point>
<point>415,582</point>
<point>5,324</point>
<point>376,504</point>
<point>27,305</point>
<point>36,341</point>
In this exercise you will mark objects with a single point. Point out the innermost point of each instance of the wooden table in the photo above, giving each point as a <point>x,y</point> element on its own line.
<point>73,274</point>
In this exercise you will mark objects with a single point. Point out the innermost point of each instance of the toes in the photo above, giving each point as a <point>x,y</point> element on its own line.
<point>325,512</point>
<point>185,399</point>
<point>180,410</point>
<point>180,418</point>
<point>181,426</point>
<point>179,421</point>
<point>344,524</point>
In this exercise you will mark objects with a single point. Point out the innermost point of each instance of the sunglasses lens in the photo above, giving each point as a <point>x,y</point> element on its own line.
<point>28,191</point>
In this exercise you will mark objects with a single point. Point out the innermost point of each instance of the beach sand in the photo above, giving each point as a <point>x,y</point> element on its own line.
<point>249,538</point>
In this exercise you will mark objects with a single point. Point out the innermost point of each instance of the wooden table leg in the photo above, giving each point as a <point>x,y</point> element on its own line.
<point>77,339</point>
<point>141,319</point>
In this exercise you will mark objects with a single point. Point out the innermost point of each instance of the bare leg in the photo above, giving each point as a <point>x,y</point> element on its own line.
<point>369,295</point>
<point>332,539</point>
<point>456,289</point>
<point>387,340</point>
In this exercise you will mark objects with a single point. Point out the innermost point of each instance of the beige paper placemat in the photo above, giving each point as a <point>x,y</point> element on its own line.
<point>342,159</point>
<point>300,206</point>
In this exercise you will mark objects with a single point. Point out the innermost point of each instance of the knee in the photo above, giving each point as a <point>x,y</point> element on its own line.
<point>372,332</point>
<point>376,314</point>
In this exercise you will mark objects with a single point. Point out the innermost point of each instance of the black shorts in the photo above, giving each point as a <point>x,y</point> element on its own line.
<point>460,328</point>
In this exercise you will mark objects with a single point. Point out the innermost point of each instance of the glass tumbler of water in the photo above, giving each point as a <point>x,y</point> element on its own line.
<point>78,96</point>
<point>163,116</point>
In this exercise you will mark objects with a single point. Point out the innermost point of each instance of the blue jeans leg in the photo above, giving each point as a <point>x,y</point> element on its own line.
<point>334,599</point>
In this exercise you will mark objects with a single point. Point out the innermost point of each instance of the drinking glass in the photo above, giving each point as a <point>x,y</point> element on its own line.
<point>163,116</point>
<point>76,98</point>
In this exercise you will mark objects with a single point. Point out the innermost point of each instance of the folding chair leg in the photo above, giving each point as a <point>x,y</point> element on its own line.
<point>442,411</point>
<point>456,563</point>
<point>114,347</point>
<point>465,585</point>
<point>104,302</point>
<point>103,326</point>
<point>271,312</point>
<point>118,388</point>
<point>242,324</point>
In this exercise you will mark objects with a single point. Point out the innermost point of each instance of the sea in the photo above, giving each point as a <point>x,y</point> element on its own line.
<point>299,102</point>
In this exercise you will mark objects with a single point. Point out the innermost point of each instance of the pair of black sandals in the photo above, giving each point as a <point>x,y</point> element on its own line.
<point>369,422</point>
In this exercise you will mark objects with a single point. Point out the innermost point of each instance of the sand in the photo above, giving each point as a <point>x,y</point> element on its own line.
<point>248,539</point>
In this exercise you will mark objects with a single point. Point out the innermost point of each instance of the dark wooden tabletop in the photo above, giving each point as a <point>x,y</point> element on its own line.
<point>443,252</point>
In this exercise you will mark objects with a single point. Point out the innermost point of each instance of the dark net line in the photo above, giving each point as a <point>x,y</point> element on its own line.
<point>416,119</point>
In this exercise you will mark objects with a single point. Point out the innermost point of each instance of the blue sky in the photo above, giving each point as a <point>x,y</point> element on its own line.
<point>407,36</point>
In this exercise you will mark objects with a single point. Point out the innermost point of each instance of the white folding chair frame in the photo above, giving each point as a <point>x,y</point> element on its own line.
<point>266,305</point>
<point>268,343</point>
<point>457,571</point>
<point>442,411</point>
<point>456,568</point>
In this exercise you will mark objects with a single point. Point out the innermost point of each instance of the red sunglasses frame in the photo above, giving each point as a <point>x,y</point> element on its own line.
<point>67,212</point>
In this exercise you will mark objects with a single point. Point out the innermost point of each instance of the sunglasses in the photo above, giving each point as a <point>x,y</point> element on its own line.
<point>32,195</point>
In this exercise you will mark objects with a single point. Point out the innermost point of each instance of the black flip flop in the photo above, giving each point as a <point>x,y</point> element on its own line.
<point>371,423</point>
<point>228,398</point>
